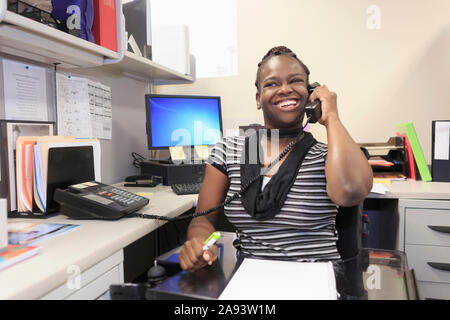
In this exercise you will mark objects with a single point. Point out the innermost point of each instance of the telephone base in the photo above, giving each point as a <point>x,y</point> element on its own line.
<point>80,214</point>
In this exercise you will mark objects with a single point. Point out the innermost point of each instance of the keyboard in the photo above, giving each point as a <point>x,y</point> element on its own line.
<point>186,188</point>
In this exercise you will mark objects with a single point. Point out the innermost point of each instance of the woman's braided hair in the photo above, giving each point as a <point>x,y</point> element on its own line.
<point>278,51</point>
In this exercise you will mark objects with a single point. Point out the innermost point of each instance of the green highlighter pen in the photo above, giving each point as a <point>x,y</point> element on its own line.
<point>211,240</point>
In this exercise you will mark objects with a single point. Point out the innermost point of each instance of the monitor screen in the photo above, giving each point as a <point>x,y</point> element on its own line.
<point>175,120</point>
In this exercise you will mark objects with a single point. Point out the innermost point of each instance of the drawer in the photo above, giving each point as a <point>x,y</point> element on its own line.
<point>419,225</point>
<point>433,290</point>
<point>99,286</point>
<point>418,258</point>
<point>92,282</point>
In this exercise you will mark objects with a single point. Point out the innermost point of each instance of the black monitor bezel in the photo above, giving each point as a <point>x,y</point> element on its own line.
<point>148,114</point>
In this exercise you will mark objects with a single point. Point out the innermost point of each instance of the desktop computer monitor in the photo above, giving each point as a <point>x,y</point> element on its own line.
<point>182,120</point>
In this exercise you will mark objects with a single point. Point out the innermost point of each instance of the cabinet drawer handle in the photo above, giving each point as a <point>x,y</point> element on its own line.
<point>440,266</point>
<point>444,229</point>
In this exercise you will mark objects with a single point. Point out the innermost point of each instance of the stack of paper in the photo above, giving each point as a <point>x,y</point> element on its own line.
<point>387,178</point>
<point>281,280</point>
<point>379,161</point>
<point>32,167</point>
<point>16,253</point>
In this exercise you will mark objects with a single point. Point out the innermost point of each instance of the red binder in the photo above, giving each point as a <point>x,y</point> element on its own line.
<point>411,162</point>
<point>104,26</point>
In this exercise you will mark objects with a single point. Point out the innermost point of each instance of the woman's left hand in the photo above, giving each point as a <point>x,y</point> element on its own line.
<point>329,103</point>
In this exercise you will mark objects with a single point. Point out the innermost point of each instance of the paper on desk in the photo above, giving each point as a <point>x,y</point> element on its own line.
<point>281,280</point>
<point>144,194</point>
<point>383,181</point>
<point>379,188</point>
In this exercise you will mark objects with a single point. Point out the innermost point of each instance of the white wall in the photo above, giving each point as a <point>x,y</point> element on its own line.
<point>398,73</point>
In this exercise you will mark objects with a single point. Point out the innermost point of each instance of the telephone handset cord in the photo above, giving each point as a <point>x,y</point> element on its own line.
<point>229,199</point>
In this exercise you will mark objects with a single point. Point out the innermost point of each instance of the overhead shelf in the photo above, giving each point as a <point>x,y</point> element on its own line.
<point>142,68</point>
<point>30,39</point>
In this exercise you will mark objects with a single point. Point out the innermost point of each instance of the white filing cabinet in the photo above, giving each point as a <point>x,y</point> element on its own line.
<point>92,283</point>
<point>425,237</point>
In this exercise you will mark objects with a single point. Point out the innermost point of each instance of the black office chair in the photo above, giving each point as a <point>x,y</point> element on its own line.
<point>350,231</point>
<point>349,225</point>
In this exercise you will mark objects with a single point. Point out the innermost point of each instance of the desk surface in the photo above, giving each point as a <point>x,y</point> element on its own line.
<point>85,246</point>
<point>411,189</point>
<point>373,274</point>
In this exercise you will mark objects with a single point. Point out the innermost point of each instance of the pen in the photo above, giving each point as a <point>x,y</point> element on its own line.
<point>211,240</point>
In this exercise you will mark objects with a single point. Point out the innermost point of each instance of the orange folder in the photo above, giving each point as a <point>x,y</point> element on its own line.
<point>27,196</point>
<point>24,168</point>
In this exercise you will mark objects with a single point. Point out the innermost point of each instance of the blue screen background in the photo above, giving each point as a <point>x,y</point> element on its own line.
<point>184,121</point>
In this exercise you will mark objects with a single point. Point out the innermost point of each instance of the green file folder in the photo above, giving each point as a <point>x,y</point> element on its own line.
<point>410,131</point>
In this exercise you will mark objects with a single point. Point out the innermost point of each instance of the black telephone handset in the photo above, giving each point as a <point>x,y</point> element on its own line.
<point>313,109</point>
<point>95,200</point>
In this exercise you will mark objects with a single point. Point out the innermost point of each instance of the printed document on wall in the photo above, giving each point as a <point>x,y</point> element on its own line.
<point>101,110</point>
<point>84,108</point>
<point>25,91</point>
<point>74,117</point>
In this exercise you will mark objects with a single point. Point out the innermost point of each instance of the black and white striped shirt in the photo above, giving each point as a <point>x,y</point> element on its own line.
<point>303,230</point>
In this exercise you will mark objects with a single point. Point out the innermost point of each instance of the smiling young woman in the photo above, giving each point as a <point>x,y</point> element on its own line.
<point>282,93</point>
<point>288,214</point>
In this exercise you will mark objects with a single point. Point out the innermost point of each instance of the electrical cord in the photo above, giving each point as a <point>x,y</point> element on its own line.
<point>137,159</point>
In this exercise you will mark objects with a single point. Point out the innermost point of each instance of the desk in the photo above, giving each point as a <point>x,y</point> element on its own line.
<point>94,250</point>
<point>95,242</point>
<point>373,275</point>
<point>411,189</point>
<point>413,207</point>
